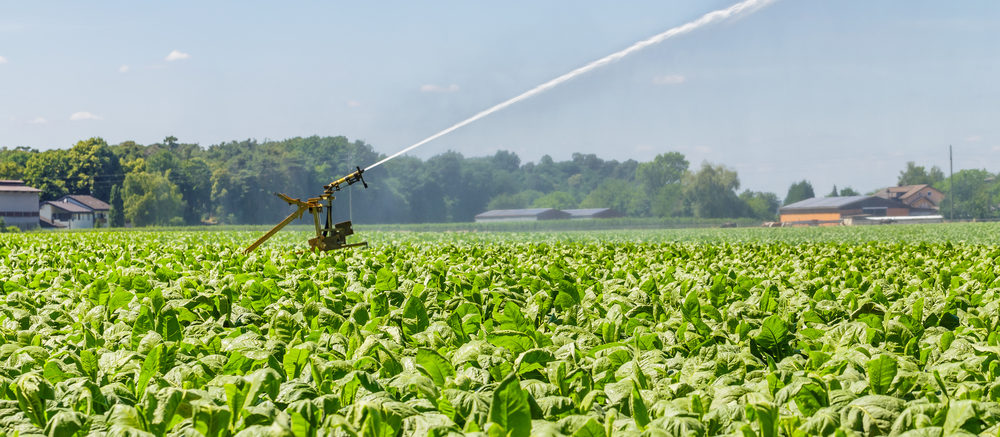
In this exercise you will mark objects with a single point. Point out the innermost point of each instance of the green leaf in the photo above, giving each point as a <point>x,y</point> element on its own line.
<point>385,280</point>
<point>65,423</point>
<point>54,373</point>
<point>773,333</point>
<point>639,411</point>
<point>434,365</point>
<point>510,408</point>
<point>590,428</point>
<point>143,324</point>
<point>415,318</point>
<point>881,372</point>
<point>235,399</point>
<point>294,361</point>
<point>120,299</point>
<point>32,392</point>
<point>170,326</point>
<point>150,367</point>
<point>88,363</point>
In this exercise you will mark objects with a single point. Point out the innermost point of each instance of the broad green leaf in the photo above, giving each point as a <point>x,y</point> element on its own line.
<point>773,333</point>
<point>510,409</point>
<point>150,367</point>
<point>434,365</point>
<point>33,392</point>
<point>143,324</point>
<point>881,372</point>
<point>639,411</point>
<point>386,280</point>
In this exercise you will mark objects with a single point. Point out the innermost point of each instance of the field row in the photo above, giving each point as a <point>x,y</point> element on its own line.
<point>563,334</point>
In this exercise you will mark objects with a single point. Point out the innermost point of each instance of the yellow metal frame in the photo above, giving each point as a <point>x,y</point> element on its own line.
<point>329,237</point>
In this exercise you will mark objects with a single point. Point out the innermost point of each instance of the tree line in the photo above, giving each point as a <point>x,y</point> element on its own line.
<point>174,183</point>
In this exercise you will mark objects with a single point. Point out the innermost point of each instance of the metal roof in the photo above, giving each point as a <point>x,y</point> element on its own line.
<point>89,201</point>
<point>16,186</point>
<point>67,206</point>
<point>587,212</point>
<point>841,203</point>
<point>530,212</point>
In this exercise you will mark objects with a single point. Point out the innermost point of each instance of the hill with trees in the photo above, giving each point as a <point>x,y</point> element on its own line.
<point>174,183</point>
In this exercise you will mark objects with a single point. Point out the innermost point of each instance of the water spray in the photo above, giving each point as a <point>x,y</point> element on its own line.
<point>741,8</point>
<point>330,236</point>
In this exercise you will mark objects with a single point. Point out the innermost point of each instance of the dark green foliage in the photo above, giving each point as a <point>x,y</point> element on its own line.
<point>116,217</point>
<point>801,190</point>
<point>769,332</point>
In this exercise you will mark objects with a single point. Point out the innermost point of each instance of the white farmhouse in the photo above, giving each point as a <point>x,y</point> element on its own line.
<point>65,214</point>
<point>19,204</point>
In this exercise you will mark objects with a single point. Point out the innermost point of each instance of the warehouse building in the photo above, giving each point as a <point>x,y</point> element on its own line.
<point>592,213</point>
<point>19,204</point>
<point>829,211</point>
<point>520,215</point>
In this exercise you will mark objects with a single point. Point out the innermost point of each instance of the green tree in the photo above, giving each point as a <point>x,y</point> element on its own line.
<point>555,199</point>
<point>761,205</point>
<point>151,199</point>
<point>915,174</point>
<point>848,191</point>
<point>833,193</point>
<point>48,171</point>
<point>661,181</point>
<point>619,195</point>
<point>93,168</point>
<point>520,200</point>
<point>974,193</point>
<point>801,190</point>
<point>193,178</point>
<point>116,217</point>
<point>711,192</point>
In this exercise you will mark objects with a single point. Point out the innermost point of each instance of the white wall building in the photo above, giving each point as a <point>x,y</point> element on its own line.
<point>100,208</point>
<point>19,204</point>
<point>65,214</point>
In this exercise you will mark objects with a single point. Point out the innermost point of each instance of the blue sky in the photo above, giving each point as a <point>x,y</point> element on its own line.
<point>833,92</point>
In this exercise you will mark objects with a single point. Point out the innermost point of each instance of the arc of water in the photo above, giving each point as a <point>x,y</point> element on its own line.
<point>744,7</point>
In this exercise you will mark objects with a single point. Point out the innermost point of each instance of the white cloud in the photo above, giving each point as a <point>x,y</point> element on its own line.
<point>974,138</point>
<point>353,103</point>
<point>3,60</point>
<point>84,115</point>
<point>177,55</point>
<point>38,120</point>
<point>123,69</point>
<point>669,79</point>
<point>431,88</point>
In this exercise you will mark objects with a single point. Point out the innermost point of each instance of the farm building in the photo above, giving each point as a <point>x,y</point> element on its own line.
<point>19,204</point>
<point>828,211</point>
<point>65,214</point>
<point>923,199</point>
<point>521,215</point>
<point>99,207</point>
<point>592,213</point>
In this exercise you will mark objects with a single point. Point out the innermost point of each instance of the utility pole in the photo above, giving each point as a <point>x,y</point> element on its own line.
<point>951,182</point>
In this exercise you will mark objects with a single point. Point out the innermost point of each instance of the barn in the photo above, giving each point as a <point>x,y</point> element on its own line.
<point>520,215</point>
<point>922,199</point>
<point>19,204</point>
<point>592,213</point>
<point>828,211</point>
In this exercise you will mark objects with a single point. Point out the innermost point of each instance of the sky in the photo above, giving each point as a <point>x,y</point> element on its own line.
<point>837,93</point>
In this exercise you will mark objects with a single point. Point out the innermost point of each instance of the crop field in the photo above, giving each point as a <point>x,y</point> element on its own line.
<point>854,331</point>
